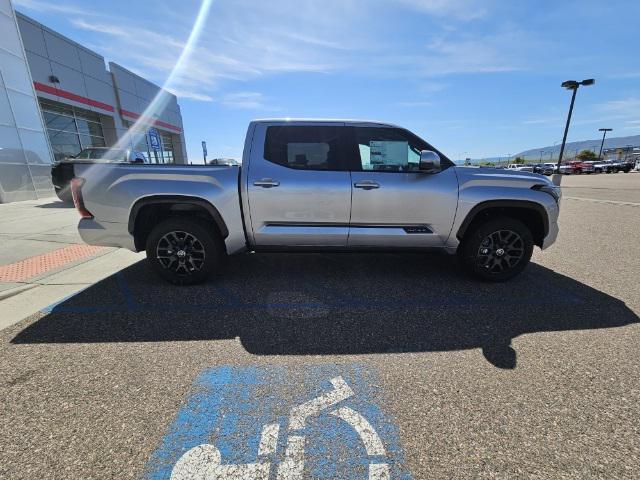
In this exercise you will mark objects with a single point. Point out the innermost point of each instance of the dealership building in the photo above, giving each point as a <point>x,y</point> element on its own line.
<point>58,98</point>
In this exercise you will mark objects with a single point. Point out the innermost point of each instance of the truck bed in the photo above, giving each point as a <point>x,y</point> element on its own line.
<point>112,192</point>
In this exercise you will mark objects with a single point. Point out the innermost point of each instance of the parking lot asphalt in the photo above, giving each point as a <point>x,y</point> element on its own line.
<point>538,377</point>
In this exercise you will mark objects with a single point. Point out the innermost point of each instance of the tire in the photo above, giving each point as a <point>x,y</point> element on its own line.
<point>64,195</point>
<point>478,253</point>
<point>198,255</point>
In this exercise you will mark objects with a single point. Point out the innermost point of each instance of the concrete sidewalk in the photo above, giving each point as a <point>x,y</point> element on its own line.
<point>43,259</point>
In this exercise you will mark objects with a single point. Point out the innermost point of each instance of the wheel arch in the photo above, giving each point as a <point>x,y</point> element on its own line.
<point>532,214</point>
<point>149,211</point>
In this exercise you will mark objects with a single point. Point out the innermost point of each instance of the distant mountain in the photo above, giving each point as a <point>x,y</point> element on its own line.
<point>571,148</point>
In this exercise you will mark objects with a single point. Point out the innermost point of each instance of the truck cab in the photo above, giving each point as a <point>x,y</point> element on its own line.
<point>345,185</point>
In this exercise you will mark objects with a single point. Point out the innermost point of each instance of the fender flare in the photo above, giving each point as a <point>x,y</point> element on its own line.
<point>480,207</point>
<point>177,200</point>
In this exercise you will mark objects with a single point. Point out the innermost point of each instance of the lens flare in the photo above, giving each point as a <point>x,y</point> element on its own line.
<point>160,101</point>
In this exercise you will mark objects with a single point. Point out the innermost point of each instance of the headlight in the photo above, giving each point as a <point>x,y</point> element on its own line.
<point>552,190</point>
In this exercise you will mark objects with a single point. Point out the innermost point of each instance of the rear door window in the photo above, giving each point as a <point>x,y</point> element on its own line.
<point>306,147</point>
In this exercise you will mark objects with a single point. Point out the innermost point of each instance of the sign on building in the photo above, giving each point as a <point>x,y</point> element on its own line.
<point>154,139</point>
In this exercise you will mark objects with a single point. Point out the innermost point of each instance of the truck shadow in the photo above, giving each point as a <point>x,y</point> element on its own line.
<point>321,304</point>
<point>57,204</point>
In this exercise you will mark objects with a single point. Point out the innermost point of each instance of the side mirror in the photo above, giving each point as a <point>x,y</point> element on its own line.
<point>429,162</point>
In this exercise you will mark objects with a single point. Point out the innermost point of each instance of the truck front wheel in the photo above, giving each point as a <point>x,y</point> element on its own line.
<point>183,251</point>
<point>498,249</point>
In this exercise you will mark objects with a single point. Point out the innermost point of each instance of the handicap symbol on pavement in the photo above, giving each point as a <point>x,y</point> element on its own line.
<point>280,423</point>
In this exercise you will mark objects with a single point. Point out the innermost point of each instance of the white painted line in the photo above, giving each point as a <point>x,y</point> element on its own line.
<point>598,200</point>
<point>194,464</point>
<point>379,471</point>
<point>203,463</point>
<point>368,435</point>
<point>269,439</point>
<point>292,467</point>
<point>299,414</point>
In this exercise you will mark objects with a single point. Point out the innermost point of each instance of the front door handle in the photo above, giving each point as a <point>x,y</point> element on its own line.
<point>266,183</point>
<point>367,185</point>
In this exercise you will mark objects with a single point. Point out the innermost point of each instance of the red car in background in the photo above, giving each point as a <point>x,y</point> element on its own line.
<point>576,168</point>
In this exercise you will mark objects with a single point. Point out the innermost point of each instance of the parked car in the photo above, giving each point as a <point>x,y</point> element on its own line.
<point>577,168</point>
<point>319,185</point>
<point>566,169</point>
<point>224,161</point>
<point>552,166</point>
<point>520,167</point>
<point>543,169</point>
<point>616,166</point>
<point>600,166</point>
<point>585,167</point>
<point>63,171</point>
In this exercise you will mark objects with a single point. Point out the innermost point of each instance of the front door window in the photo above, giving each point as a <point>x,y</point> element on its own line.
<point>388,150</point>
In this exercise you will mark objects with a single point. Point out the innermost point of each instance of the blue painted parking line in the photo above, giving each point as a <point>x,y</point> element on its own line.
<point>331,299</point>
<point>363,305</point>
<point>54,305</point>
<point>123,286</point>
<point>281,423</point>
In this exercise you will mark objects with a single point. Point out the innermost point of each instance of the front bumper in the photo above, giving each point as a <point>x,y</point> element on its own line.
<point>552,235</point>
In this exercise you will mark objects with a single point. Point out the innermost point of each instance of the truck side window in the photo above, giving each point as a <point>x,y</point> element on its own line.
<point>305,147</point>
<point>388,149</point>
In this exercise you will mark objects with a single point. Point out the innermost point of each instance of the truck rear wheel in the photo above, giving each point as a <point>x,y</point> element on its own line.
<point>498,249</point>
<point>183,251</point>
<point>64,194</point>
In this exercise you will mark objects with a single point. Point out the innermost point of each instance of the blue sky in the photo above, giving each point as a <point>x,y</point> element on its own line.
<point>475,78</point>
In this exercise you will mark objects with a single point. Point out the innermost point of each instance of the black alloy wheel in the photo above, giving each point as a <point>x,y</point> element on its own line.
<point>498,249</point>
<point>181,253</point>
<point>184,251</point>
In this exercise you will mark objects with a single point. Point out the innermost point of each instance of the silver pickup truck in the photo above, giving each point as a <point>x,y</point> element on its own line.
<point>318,185</point>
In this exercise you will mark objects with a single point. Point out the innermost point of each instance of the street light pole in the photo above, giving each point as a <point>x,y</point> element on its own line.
<point>604,134</point>
<point>570,85</point>
<point>566,127</point>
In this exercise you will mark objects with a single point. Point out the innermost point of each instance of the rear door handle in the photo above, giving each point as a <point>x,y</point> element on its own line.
<point>266,183</point>
<point>367,185</point>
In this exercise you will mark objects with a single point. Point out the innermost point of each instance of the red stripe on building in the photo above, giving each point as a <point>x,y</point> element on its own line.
<point>129,114</point>
<point>159,123</point>
<point>41,87</point>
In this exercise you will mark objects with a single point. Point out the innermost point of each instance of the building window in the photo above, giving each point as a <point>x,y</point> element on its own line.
<point>71,129</point>
<point>140,143</point>
<point>168,155</point>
